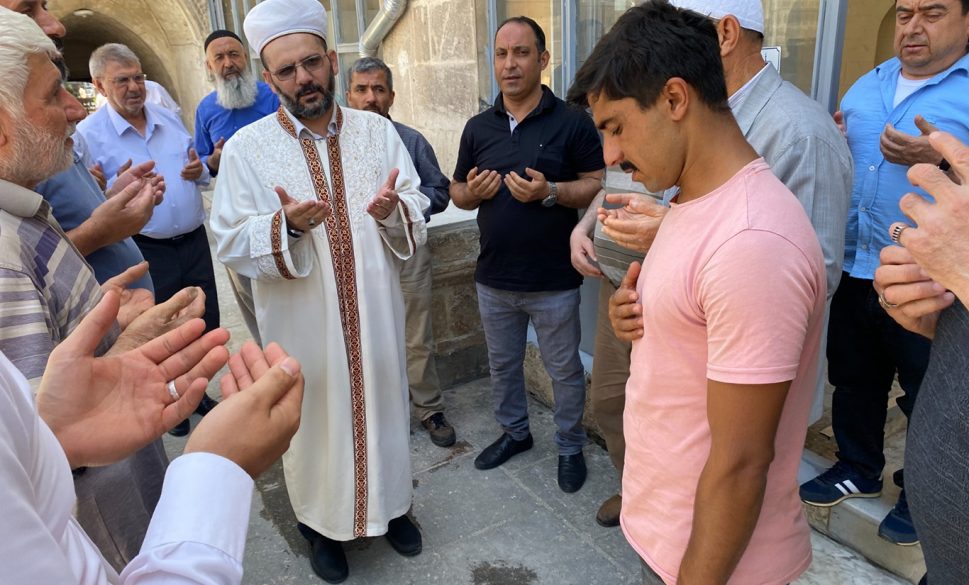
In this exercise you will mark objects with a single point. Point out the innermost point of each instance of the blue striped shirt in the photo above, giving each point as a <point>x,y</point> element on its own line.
<point>46,287</point>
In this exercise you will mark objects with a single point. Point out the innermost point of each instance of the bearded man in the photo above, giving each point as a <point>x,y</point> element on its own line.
<point>238,100</point>
<point>317,204</point>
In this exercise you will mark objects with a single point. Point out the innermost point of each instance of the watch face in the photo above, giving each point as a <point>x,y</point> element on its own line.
<point>550,200</point>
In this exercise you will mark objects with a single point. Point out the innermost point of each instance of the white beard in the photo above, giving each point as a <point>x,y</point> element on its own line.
<point>237,93</point>
<point>37,155</point>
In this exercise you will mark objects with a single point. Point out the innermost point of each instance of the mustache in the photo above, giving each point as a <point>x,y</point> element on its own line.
<point>627,166</point>
<point>310,88</point>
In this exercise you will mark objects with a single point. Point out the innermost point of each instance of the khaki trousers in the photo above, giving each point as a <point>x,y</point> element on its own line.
<point>415,284</point>
<point>242,290</point>
<point>610,371</point>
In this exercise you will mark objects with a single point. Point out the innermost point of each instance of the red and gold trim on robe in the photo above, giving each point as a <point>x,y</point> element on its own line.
<point>277,244</point>
<point>340,240</point>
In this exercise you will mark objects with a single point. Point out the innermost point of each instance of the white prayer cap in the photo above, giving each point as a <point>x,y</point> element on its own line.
<point>272,19</point>
<point>749,13</point>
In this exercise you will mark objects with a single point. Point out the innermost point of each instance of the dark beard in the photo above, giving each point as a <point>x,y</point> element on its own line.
<point>311,112</point>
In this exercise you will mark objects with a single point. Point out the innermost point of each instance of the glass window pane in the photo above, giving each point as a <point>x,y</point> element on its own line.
<point>868,40</point>
<point>373,6</point>
<point>792,25</point>
<point>348,21</point>
<point>346,61</point>
<point>594,19</point>
<point>548,16</point>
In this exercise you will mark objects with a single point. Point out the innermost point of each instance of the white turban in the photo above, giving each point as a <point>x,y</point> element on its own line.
<point>272,19</point>
<point>749,13</point>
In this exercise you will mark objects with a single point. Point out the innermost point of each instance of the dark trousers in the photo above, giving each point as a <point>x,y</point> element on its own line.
<point>185,260</point>
<point>865,350</point>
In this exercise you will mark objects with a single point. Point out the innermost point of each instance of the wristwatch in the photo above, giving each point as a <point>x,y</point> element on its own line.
<point>553,195</point>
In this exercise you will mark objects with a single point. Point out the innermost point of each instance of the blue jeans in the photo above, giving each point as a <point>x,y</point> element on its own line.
<point>555,317</point>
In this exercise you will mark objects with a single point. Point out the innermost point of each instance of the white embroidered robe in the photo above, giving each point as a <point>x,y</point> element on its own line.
<point>332,299</point>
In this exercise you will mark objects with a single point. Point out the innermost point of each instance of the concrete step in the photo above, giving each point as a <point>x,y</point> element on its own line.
<point>854,523</point>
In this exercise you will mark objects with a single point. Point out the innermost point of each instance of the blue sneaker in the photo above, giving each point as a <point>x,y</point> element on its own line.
<point>897,526</point>
<point>838,484</point>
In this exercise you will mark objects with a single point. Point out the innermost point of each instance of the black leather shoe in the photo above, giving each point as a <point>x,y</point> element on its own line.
<point>571,472</point>
<point>326,556</point>
<point>404,536</point>
<point>205,405</point>
<point>181,429</point>
<point>502,450</point>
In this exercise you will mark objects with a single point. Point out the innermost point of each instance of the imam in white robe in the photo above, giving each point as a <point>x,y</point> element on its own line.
<point>332,299</point>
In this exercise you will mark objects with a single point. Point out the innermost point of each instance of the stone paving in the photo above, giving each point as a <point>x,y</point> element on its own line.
<point>507,526</point>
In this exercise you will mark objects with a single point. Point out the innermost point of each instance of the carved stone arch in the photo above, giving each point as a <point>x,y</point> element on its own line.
<point>166,35</point>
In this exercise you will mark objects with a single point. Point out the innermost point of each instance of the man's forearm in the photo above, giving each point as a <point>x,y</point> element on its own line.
<point>727,505</point>
<point>579,194</point>
<point>87,238</point>
<point>462,197</point>
<point>588,220</point>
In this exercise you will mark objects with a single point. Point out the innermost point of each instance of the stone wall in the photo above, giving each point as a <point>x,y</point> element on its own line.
<point>435,75</point>
<point>461,352</point>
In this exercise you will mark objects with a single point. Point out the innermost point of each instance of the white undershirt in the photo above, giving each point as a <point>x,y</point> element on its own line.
<point>906,87</point>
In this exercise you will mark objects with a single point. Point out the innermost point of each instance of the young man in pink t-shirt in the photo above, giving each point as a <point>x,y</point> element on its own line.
<point>728,309</point>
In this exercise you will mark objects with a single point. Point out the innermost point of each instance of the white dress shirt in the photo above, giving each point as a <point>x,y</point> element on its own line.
<point>197,534</point>
<point>111,140</point>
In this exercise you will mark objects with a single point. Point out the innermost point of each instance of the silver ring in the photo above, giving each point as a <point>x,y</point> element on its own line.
<point>172,391</point>
<point>312,222</point>
<point>896,232</point>
<point>884,303</point>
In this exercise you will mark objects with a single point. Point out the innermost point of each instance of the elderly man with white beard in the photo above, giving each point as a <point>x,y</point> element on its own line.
<point>238,100</point>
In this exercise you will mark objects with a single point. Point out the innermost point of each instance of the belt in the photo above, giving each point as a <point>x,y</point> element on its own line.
<point>171,240</point>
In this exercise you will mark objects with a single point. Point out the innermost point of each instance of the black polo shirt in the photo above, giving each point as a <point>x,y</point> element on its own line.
<point>525,246</point>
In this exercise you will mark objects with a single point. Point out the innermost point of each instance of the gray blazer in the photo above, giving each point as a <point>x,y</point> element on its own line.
<point>807,152</point>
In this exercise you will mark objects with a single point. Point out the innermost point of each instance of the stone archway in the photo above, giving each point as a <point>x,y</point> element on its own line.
<point>166,35</point>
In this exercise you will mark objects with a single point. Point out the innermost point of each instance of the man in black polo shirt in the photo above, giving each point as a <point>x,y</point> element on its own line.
<point>527,164</point>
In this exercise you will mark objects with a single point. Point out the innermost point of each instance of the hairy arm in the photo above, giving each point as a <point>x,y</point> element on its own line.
<point>581,192</point>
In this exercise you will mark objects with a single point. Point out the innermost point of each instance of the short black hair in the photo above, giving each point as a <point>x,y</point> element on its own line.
<point>368,65</point>
<point>647,46</point>
<point>539,33</point>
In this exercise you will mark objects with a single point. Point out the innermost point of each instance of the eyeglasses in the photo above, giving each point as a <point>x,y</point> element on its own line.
<point>311,64</point>
<point>123,81</point>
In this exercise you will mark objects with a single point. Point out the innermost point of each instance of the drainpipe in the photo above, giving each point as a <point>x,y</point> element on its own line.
<point>386,18</point>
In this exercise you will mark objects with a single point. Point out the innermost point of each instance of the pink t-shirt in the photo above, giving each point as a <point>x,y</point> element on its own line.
<point>733,290</point>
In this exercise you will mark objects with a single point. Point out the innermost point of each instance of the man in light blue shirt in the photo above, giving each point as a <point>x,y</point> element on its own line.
<point>866,348</point>
<point>174,240</point>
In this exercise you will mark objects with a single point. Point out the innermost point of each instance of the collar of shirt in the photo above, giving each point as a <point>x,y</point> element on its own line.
<point>748,102</point>
<point>546,103</point>
<point>121,125</point>
<point>740,96</point>
<point>21,202</point>
<point>889,71</point>
<point>332,129</point>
